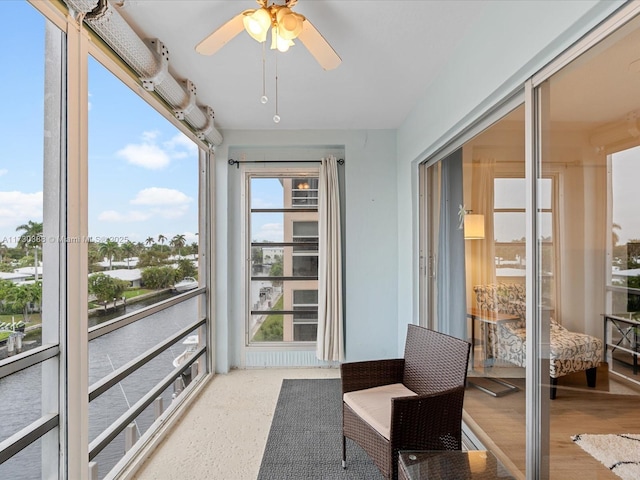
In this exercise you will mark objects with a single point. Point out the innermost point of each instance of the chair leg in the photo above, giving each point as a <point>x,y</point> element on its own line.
<point>554,385</point>
<point>591,376</point>
<point>344,452</point>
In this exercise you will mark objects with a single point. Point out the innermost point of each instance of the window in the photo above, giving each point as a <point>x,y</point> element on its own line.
<point>143,181</point>
<point>31,306</point>
<point>625,233</point>
<point>283,272</point>
<point>509,231</point>
<point>305,318</point>
<point>304,192</point>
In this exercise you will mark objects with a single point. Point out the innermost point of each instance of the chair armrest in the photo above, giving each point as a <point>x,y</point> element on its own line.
<point>372,373</point>
<point>428,422</point>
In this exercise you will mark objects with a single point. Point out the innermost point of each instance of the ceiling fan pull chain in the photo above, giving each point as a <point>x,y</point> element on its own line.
<point>276,117</point>
<point>264,99</point>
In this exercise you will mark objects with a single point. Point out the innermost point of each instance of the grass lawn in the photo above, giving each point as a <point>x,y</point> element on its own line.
<point>34,318</point>
<point>136,293</point>
<point>271,329</point>
<point>127,294</point>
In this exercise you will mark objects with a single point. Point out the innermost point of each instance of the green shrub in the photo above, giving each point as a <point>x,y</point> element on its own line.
<point>106,288</point>
<point>159,277</point>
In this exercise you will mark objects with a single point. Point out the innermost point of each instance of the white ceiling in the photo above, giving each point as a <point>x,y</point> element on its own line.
<point>390,50</point>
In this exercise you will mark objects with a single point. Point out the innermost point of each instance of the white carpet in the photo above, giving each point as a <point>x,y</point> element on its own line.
<point>619,453</point>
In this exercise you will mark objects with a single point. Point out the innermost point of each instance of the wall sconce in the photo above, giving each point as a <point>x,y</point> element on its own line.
<point>473,226</point>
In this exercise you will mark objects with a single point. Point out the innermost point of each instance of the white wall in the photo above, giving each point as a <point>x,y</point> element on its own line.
<point>371,236</point>
<point>510,43</point>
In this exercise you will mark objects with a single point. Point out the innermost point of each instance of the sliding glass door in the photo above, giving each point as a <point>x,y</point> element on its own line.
<point>592,148</point>
<point>537,209</point>
<point>475,265</point>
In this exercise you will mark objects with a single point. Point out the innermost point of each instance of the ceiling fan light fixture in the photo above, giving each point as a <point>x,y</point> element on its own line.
<point>278,42</point>
<point>257,23</point>
<point>289,23</point>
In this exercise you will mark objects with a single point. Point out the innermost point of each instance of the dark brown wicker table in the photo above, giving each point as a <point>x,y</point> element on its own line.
<point>450,465</point>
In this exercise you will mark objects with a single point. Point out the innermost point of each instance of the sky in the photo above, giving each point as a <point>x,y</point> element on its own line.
<point>267,193</point>
<point>143,172</point>
<point>624,178</point>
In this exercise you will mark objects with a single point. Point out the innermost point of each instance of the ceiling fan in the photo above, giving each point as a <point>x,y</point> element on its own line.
<point>285,26</point>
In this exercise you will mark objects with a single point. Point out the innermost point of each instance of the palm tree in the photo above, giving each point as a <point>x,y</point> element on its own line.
<point>149,241</point>
<point>128,249</point>
<point>108,250</point>
<point>31,238</point>
<point>177,242</point>
<point>93,252</point>
<point>614,234</point>
<point>161,240</point>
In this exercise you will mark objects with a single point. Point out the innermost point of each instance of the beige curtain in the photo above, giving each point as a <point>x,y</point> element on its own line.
<point>482,198</point>
<point>330,344</point>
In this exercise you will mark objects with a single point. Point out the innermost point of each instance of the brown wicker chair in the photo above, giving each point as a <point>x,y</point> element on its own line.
<point>434,368</point>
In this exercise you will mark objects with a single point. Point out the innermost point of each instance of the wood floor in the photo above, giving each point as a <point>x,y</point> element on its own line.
<point>612,407</point>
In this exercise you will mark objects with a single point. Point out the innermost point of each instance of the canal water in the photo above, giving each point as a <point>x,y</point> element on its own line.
<point>20,394</point>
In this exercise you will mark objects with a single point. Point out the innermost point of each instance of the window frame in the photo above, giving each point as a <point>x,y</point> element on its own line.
<point>248,173</point>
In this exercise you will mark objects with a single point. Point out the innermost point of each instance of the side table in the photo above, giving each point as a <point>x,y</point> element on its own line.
<point>626,326</point>
<point>450,465</point>
<point>488,318</point>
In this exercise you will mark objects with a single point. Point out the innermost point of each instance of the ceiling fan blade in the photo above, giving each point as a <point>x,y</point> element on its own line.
<point>318,46</point>
<point>221,36</point>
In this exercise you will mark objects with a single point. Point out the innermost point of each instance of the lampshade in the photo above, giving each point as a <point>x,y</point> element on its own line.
<point>257,23</point>
<point>473,226</point>
<point>289,23</point>
<point>279,42</point>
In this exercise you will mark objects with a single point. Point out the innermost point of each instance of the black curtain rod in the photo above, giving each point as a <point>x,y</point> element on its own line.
<point>238,162</point>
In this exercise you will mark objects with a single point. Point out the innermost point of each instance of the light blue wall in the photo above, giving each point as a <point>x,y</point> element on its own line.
<point>371,236</point>
<point>510,43</point>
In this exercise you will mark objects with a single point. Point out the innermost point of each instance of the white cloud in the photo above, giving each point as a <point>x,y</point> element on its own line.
<point>17,208</point>
<point>150,135</point>
<point>160,202</point>
<point>272,232</point>
<point>156,196</point>
<point>151,154</point>
<point>155,155</point>
<point>181,146</point>
<point>145,155</point>
<point>132,216</point>
<point>190,237</point>
<point>3,171</point>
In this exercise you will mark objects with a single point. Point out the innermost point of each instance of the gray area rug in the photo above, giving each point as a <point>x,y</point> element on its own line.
<point>305,440</point>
